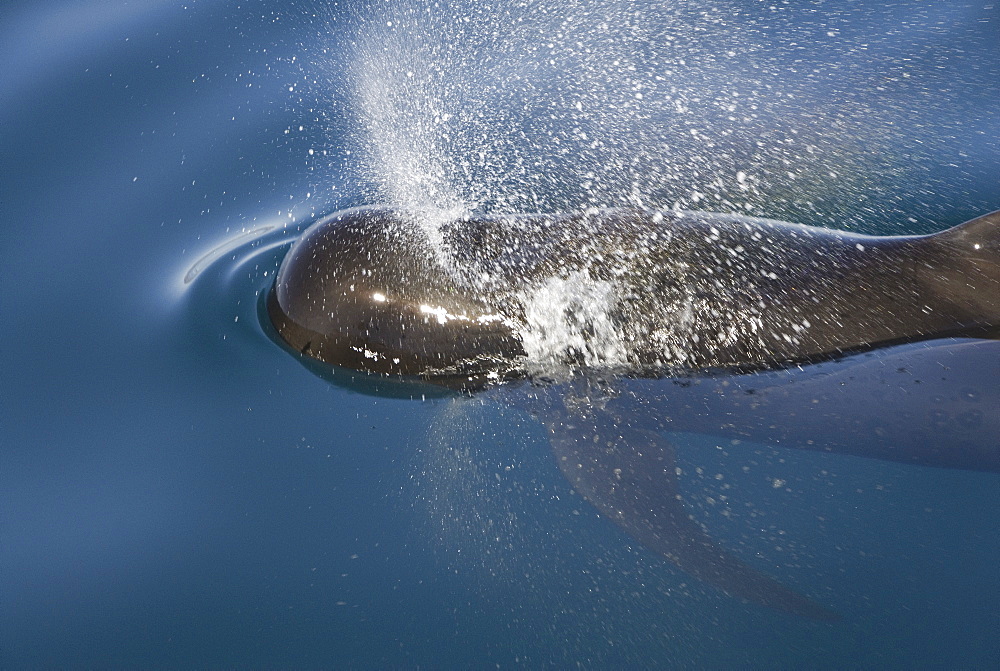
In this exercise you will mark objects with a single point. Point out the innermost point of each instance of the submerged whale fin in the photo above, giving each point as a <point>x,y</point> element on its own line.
<point>629,476</point>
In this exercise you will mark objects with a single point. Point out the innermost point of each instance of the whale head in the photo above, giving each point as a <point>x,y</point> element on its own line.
<point>365,289</point>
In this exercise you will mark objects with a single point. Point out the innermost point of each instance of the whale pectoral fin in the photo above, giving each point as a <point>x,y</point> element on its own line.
<point>629,476</point>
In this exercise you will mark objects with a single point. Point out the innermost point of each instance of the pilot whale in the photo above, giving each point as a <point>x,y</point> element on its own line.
<point>630,323</point>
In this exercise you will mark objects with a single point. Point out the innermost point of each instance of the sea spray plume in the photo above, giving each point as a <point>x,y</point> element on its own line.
<point>529,106</point>
<point>543,106</point>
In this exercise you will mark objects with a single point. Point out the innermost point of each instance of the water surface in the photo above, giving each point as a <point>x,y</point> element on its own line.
<point>175,490</point>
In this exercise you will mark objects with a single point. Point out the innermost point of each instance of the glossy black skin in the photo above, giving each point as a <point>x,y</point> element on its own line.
<point>754,293</point>
<point>323,303</point>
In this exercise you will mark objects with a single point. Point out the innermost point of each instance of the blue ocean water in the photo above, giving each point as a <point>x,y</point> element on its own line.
<point>176,490</point>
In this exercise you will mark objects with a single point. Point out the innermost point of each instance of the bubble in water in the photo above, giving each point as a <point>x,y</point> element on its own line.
<point>466,495</point>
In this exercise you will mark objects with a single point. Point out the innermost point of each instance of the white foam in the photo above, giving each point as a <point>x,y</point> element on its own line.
<point>570,320</point>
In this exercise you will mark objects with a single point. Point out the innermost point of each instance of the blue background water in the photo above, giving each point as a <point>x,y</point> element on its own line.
<point>175,490</point>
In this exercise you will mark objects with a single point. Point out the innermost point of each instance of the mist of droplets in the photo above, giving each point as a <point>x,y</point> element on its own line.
<point>521,105</point>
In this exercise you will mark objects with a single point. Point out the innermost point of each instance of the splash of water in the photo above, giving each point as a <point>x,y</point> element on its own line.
<point>545,106</point>
<point>518,105</point>
<point>570,319</point>
<point>858,116</point>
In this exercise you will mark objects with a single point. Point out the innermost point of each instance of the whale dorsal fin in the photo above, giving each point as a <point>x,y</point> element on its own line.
<point>629,475</point>
<point>965,271</point>
<point>984,230</point>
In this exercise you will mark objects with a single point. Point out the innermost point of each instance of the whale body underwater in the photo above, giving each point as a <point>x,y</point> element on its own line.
<point>614,327</point>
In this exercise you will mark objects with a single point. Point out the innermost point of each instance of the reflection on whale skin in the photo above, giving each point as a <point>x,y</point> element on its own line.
<point>630,323</point>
